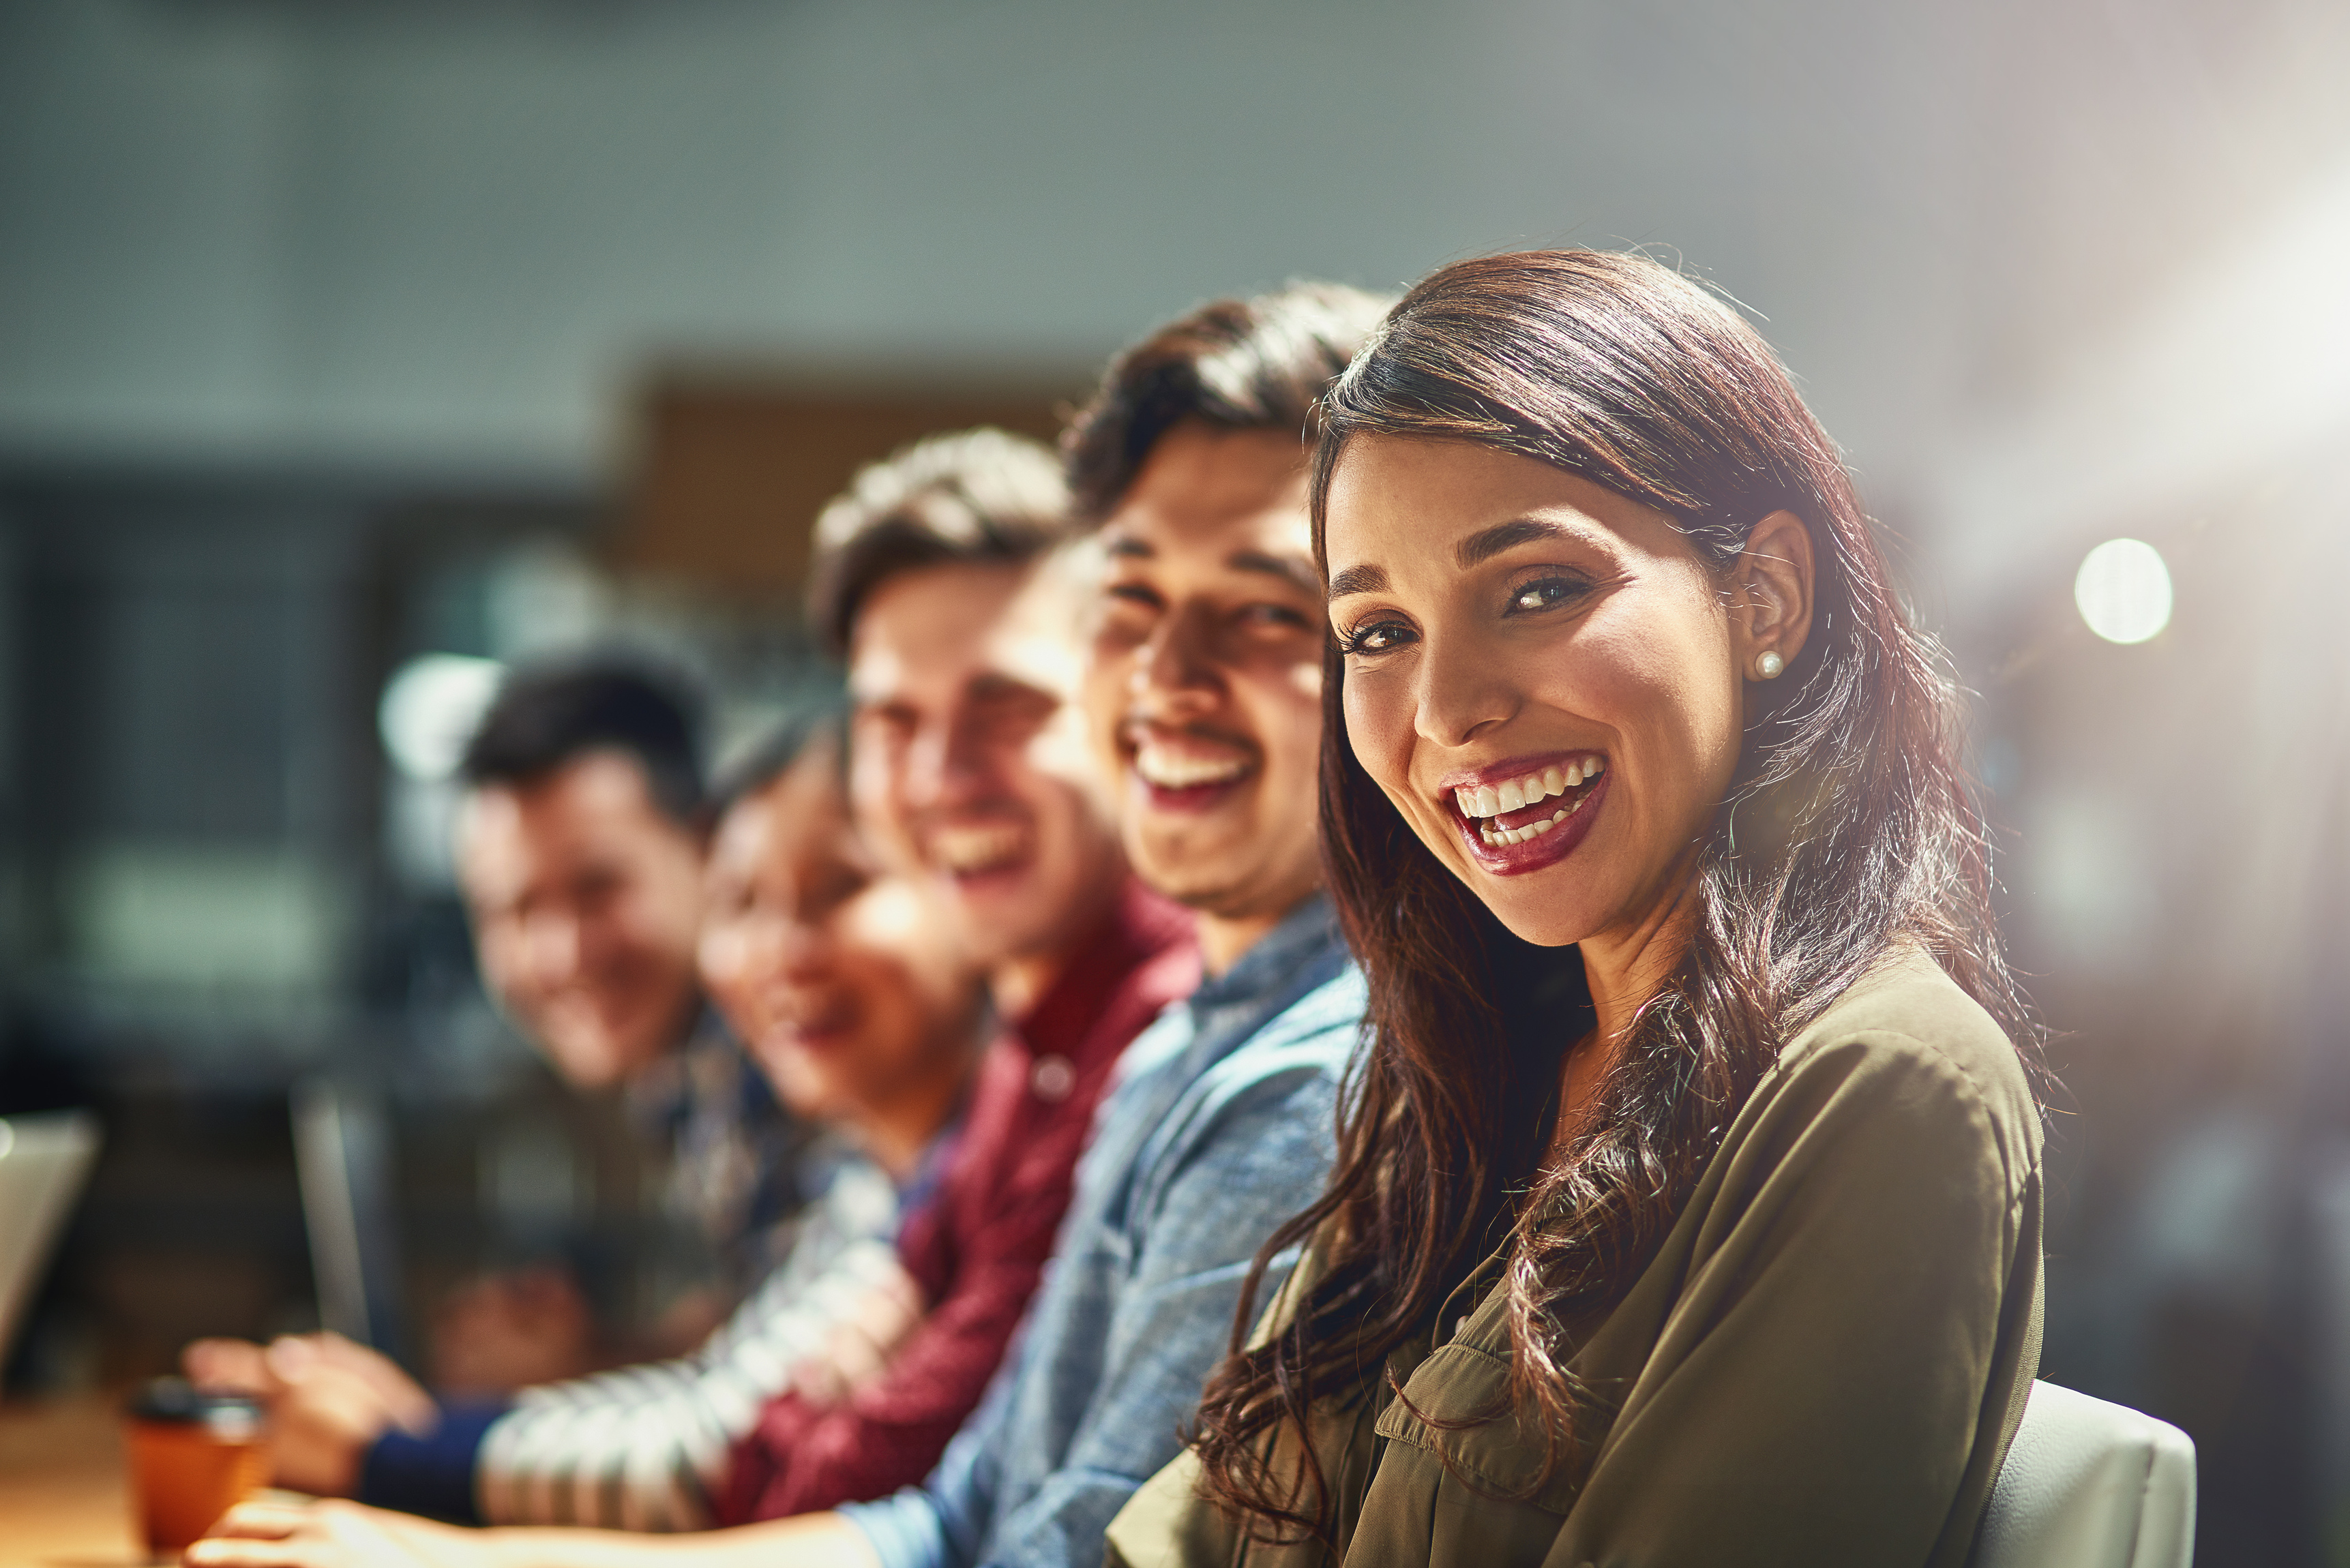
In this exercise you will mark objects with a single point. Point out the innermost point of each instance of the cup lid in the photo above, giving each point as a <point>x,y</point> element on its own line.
<point>177,1401</point>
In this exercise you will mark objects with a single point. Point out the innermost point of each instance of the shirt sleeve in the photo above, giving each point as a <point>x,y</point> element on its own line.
<point>1255,1161</point>
<point>1843,1375</point>
<point>806,1455</point>
<point>644,1448</point>
<point>1823,1365</point>
<point>434,1474</point>
<point>940,1522</point>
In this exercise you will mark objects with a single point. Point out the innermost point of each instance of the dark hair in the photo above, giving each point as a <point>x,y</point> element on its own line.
<point>1849,826</point>
<point>1235,364</point>
<point>772,756</point>
<point>979,495</point>
<point>545,717</point>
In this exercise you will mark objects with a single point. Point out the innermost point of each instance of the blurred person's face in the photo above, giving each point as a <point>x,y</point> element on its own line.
<point>1546,678</point>
<point>586,901</point>
<point>1205,683</point>
<point>969,757</point>
<point>848,983</point>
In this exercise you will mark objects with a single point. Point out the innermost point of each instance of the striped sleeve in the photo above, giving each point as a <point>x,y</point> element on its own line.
<point>643,1447</point>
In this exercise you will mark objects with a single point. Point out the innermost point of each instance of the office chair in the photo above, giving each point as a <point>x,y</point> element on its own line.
<point>2088,1484</point>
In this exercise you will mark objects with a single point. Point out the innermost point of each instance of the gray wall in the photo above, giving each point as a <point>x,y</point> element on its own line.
<point>2050,271</point>
<point>443,235</point>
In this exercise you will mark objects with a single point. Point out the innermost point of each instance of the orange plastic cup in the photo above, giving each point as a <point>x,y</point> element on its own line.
<point>193,1456</point>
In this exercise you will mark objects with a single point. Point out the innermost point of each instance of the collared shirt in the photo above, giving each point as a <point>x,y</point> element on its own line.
<point>972,1256</point>
<point>739,1168</point>
<point>1219,1129</point>
<point>1822,1362</point>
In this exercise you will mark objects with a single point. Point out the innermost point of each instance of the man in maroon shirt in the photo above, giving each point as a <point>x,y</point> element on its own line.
<point>970,762</point>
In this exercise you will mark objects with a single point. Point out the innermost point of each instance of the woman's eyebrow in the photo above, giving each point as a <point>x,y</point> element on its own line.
<point>1474,551</point>
<point>1487,543</point>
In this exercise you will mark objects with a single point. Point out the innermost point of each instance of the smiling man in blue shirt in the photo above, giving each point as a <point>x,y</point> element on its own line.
<point>1203,693</point>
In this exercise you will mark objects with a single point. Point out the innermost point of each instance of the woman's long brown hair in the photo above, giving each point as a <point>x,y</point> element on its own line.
<point>1849,825</point>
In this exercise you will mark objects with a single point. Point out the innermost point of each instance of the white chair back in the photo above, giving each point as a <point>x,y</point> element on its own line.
<point>2088,1484</point>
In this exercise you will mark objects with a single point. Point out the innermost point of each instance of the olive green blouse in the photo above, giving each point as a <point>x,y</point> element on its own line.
<point>1822,1364</point>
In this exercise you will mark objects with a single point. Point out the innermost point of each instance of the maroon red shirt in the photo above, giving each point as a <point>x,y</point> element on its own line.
<point>978,1247</point>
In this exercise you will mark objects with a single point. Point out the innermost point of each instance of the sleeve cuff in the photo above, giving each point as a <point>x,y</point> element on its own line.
<point>431,1475</point>
<point>903,1528</point>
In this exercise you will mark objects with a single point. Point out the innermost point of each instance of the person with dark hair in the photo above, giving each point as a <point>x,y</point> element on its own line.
<point>864,1013</point>
<point>545,717</point>
<point>579,846</point>
<point>579,851</point>
<point>979,497</point>
<point>1255,365</point>
<point>1687,1208</point>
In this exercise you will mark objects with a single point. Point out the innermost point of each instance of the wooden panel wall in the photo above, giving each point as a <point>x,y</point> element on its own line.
<point>733,473</point>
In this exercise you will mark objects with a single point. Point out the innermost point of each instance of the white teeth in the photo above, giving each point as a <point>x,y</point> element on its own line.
<point>961,849</point>
<point>1516,794</point>
<point>1500,836</point>
<point>1172,769</point>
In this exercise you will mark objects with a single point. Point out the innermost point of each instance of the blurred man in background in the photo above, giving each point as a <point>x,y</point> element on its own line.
<point>579,851</point>
<point>860,1005</point>
<point>579,846</point>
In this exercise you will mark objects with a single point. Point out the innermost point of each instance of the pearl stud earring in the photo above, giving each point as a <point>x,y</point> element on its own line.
<point>1769,665</point>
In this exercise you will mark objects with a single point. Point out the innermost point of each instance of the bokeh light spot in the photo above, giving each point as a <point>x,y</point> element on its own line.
<point>2124,591</point>
<point>430,708</point>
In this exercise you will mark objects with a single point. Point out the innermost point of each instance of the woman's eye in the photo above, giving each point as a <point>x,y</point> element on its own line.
<point>1543,593</point>
<point>1376,637</point>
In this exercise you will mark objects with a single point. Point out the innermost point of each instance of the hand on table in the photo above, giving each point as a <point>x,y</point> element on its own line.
<point>335,1535</point>
<point>328,1400</point>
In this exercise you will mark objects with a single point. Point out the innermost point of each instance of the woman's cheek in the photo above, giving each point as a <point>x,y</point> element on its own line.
<point>1371,726</point>
<point>1665,696</point>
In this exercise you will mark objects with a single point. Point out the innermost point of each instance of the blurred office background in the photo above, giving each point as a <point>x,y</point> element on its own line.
<point>345,342</point>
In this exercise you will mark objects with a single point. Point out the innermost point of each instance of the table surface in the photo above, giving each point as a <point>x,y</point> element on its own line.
<point>62,1497</point>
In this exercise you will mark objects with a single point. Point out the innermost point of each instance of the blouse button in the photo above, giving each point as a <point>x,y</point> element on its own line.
<point>1052,1078</point>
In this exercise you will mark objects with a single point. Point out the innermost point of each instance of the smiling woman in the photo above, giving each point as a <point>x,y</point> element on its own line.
<point>1687,1206</point>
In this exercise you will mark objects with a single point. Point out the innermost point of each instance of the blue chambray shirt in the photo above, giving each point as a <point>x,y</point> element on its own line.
<point>1218,1128</point>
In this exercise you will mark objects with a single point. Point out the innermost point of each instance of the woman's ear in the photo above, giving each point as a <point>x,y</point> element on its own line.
<point>1771,602</point>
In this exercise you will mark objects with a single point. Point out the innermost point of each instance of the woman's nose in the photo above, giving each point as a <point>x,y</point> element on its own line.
<point>1461,690</point>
